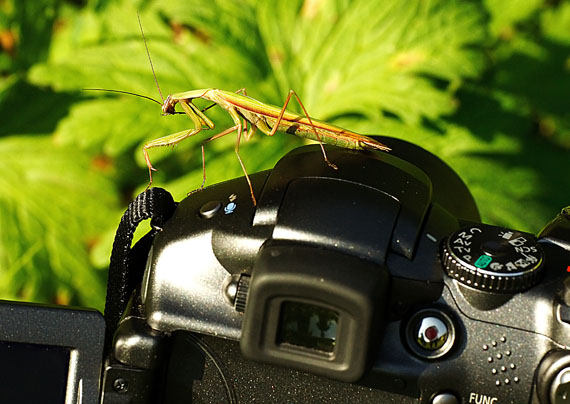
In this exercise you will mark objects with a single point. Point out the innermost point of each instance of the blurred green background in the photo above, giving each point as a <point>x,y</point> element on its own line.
<point>483,85</point>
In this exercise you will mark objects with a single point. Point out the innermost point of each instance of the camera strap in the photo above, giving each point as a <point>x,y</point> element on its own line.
<point>127,264</point>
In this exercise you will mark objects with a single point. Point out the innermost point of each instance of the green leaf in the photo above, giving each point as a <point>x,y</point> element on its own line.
<point>232,23</point>
<point>106,124</point>
<point>506,14</point>
<point>515,175</point>
<point>54,204</point>
<point>555,23</point>
<point>28,25</point>
<point>29,109</point>
<point>544,68</point>
<point>374,57</point>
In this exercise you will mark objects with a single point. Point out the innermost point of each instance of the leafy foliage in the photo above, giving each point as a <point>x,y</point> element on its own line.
<point>483,85</point>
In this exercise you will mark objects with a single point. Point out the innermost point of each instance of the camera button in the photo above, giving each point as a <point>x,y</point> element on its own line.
<point>444,398</point>
<point>209,209</point>
<point>430,333</point>
<point>560,387</point>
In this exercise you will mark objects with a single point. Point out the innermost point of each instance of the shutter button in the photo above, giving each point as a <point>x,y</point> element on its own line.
<point>430,333</point>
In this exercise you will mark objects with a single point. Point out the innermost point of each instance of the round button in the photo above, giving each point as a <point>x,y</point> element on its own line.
<point>560,389</point>
<point>209,209</point>
<point>444,398</point>
<point>430,333</point>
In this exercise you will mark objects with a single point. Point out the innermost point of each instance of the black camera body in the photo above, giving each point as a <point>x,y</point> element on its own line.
<point>375,282</point>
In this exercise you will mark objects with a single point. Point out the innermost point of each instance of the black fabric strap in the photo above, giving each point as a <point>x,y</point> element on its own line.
<point>125,269</point>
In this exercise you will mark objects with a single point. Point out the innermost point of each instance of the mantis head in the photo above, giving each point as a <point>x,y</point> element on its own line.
<point>168,106</point>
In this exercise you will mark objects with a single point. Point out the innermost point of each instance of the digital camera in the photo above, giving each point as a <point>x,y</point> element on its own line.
<point>373,283</point>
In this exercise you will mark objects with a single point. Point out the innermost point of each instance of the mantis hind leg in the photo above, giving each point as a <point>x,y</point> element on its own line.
<point>239,127</point>
<point>249,133</point>
<point>280,118</point>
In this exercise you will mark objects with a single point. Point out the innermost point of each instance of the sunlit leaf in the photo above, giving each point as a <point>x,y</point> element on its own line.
<point>506,14</point>
<point>54,204</point>
<point>555,22</point>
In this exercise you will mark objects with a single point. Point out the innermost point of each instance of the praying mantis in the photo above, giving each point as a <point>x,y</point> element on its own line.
<point>267,118</point>
<point>249,115</point>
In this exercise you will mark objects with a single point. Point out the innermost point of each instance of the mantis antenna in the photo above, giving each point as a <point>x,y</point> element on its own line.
<point>123,92</point>
<point>149,58</point>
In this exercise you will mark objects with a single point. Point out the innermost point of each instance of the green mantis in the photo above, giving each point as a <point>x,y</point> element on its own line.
<point>250,115</point>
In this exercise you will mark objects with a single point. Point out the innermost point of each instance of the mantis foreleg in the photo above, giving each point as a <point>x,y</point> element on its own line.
<point>199,120</point>
<point>169,140</point>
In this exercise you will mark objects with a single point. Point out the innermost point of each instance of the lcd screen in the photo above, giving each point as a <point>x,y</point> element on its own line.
<point>33,373</point>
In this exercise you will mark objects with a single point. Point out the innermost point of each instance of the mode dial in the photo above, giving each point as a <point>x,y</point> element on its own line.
<point>491,258</point>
